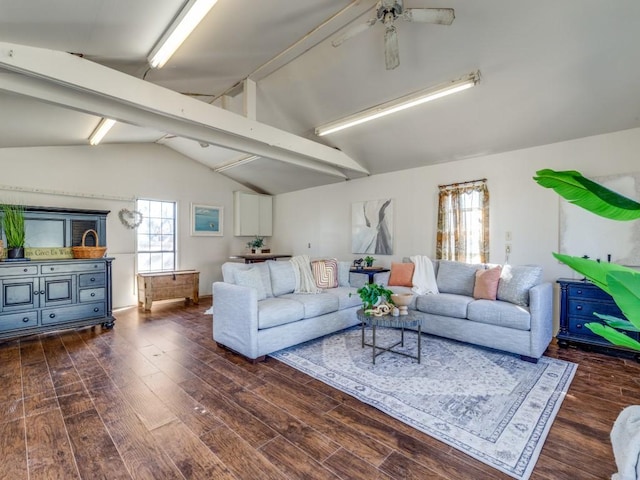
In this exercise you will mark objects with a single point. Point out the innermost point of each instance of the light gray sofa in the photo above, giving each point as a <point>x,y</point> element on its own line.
<point>255,328</point>
<point>520,321</point>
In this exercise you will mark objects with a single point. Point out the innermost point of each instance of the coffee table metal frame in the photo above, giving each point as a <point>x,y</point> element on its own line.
<point>400,322</point>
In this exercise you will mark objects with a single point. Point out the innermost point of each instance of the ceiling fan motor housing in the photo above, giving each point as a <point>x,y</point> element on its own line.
<point>389,10</point>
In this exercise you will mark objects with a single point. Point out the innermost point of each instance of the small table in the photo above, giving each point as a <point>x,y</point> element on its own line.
<point>258,257</point>
<point>370,271</point>
<point>401,322</point>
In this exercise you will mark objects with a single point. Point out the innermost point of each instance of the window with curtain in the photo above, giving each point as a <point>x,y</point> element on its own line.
<point>463,222</point>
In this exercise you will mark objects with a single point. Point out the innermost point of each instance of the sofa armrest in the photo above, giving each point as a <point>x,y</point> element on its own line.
<point>235,318</point>
<point>541,309</point>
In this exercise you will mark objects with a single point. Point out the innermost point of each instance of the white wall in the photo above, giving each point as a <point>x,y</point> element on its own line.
<point>129,171</point>
<point>518,204</point>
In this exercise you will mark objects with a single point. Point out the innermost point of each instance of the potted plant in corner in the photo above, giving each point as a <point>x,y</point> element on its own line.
<point>622,283</point>
<point>13,226</point>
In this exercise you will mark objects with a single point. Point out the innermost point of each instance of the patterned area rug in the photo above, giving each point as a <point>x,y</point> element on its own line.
<point>488,404</point>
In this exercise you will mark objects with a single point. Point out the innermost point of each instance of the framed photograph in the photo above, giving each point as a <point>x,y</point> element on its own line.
<point>206,220</point>
<point>372,227</point>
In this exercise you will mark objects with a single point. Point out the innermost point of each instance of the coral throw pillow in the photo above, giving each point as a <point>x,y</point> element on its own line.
<point>325,273</point>
<point>486,286</point>
<point>401,274</point>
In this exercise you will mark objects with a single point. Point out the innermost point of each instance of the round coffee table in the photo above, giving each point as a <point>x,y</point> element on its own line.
<point>401,322</point>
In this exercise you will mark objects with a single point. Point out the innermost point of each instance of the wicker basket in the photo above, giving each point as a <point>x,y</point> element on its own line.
<point>89,252</point>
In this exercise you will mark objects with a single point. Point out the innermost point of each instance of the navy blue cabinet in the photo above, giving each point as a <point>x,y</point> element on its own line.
<point>579,299</point>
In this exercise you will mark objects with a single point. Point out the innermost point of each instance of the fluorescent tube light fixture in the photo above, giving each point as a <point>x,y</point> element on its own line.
<point>399,104</point>
<point>236,163</point>
<point>186,21</point>
<point>101,130</point>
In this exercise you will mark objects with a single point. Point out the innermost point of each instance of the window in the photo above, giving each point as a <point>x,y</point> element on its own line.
<point>156,236</point>
<point>463,222</point>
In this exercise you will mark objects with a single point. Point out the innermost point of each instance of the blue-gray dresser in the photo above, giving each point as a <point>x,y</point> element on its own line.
<point>579,299</point>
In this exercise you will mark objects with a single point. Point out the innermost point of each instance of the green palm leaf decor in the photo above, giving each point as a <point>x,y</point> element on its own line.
<point>622,283</point>
<point>591,196</point>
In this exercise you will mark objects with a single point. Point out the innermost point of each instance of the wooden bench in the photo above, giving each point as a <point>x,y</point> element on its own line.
<point>168,285</point>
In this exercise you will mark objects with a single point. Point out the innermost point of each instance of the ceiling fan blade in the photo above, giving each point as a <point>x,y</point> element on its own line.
<point>440,16</point>
<point>353,31</point>
<point>391,54</point>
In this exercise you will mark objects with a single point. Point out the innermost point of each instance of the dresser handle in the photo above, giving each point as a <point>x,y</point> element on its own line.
<point>25,270</point>
<point>93,279</point>
<point>578,307</point>
<point>52,315</point>
<point>52,269</point>
<point>96,309</point>
<point>93,294</point>
<point>25,319</point>
<point>579,292</point>
<point>36,292</point>
<point>579,325</point>
<point>41,292</point>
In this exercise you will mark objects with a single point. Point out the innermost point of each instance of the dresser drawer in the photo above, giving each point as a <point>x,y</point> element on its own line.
<point>92,279</point>
<point>19,270</point>
<point>69,314</point>
<point>585,308</point>
<point>587,291</point>
<point>577,327</point>
<point>15,321</point>
<point>91,294</point>
<point>72,267</point>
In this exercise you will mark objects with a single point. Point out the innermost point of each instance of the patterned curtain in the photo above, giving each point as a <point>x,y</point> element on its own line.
<point>463,222</point>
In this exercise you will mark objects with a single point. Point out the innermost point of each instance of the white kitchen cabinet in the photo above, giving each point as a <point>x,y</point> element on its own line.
<point>252,214</point>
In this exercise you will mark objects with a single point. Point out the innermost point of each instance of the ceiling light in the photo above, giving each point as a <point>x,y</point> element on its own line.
<point>236,163</point>
<point>401,103</point>
<point>101,130</point>
<point>186,21</point>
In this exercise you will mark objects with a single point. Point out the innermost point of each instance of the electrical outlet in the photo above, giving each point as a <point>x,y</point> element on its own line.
<point>309,245</point>
<point>507,248</point>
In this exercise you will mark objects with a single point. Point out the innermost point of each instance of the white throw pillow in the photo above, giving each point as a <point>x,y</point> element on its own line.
<point>253,279</point>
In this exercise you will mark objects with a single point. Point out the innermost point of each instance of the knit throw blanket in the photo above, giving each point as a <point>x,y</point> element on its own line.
<point>305,283</point>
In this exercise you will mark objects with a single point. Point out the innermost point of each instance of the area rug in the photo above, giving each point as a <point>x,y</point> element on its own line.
<point>488,404</point>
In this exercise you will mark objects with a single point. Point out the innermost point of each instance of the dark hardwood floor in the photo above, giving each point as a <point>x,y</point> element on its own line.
<point>155,398</point>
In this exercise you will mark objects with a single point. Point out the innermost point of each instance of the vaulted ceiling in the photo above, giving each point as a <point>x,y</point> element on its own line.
<point>550,71</point>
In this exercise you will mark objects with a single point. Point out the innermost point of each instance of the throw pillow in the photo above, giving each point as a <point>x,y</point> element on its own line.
<point>343,274</point>
<point>401,274</point>
<point>456,277</point>
<point>486,286</point>
<point>253,279</point>
<point>515,283</point>
<point>283,278</point>
<point>325,273</point>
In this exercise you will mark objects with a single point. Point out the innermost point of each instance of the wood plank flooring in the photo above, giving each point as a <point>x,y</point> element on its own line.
<point>155,398</point>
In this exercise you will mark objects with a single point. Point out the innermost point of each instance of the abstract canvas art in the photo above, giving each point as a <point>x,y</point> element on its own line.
<point>372,227</point>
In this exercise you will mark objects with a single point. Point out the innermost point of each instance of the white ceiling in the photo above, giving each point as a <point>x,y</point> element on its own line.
<point>551,71</point>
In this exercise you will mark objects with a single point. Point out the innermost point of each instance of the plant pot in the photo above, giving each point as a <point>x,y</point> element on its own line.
<point>15,252</point>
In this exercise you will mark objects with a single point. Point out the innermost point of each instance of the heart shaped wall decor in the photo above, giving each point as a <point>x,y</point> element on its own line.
<point>130,219</point>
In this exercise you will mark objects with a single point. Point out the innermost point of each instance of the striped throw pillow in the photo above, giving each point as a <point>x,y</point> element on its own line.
<point>325,273</point>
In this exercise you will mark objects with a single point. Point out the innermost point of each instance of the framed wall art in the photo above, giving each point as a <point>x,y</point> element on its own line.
<point>372,227</point>
<point>206,220</point>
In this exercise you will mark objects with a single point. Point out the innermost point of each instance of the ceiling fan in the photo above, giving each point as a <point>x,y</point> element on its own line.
<point>387,11</point>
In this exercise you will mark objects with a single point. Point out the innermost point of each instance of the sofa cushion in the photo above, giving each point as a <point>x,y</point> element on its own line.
<point>516,281</point>
<point>325,273</point>
<point>283,278</point>
<point>445,304</point>
<point>251,278</point>
<point>456,277</point>
<point>315,304</point>
<point>343,274</point>
<point>344,300</point>
<point>486,286</point>
<point>502,314</point>
<point>401,274</point>
<point>278,311</point>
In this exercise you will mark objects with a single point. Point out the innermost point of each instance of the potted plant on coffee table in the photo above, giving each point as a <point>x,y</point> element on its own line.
<point>13,226</point>
<point>373,294</point>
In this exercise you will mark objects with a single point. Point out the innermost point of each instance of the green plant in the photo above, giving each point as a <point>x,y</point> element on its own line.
<point>257,242</point>
<point>369,260</point>
<point>371,293</point>
<point>13,225</point>
<point>622,283</point>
